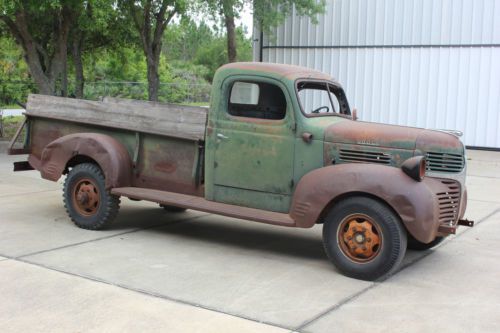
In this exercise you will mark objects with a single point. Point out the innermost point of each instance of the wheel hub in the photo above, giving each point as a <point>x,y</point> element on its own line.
<point>359,238</point>
<point>86,197</point>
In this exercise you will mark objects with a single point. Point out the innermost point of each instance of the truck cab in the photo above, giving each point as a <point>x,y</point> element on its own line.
<point>281,138</point>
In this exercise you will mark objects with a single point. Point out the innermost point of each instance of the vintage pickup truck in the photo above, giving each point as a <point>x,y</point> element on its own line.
<point>279,145</point>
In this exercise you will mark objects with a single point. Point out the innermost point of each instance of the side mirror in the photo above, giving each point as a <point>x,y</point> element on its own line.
<point>354,114</point>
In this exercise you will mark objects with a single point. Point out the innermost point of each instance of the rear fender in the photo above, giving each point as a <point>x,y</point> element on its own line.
<point>413,201</point>
<point>110,154</point>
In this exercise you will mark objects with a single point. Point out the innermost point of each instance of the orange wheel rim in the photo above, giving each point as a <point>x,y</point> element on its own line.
<point>86,198</point>
<point>359,237</point>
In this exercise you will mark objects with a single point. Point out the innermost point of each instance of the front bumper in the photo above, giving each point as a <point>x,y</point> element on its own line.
<point>451,202</point>
<point>445,204</point>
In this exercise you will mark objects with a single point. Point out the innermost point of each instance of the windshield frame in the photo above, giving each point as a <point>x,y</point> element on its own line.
<point>343,103</point>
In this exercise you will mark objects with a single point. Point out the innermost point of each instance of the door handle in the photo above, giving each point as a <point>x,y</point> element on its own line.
<point>222,136</point>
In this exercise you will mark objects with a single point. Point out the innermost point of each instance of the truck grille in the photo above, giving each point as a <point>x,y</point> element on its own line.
<point>348,155</point>
<point>444,162</point>
<point>449,202</point>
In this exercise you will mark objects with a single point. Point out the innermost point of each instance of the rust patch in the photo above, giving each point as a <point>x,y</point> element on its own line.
<point>110,154</point>
<point>291,72</point>
<point>204,205</point>
<point>415,202</point>
<point>359,237</point>
<point>165,167</point>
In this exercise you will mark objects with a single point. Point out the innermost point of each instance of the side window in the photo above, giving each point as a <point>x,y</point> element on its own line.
<point>257,100</point>
<point>245,93</point>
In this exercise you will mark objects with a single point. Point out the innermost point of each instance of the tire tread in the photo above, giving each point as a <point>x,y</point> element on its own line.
<point>111,202</point>
<point>395,227</point>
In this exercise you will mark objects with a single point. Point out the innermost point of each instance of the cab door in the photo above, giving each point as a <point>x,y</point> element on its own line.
<point>254,145</point>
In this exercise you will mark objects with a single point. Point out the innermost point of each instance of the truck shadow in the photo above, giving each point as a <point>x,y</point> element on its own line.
<point>231,234</point>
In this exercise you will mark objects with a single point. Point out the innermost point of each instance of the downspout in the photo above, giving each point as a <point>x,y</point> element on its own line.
<point>261,40</point>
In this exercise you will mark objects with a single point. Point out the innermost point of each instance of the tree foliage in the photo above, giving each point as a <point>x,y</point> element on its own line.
<point>113,61</point>
<point>15,82</point>
<point>271,13</point>
<point>41,29</point>
<point>151,18</point>
<point>82,47</point>
<point>267,14</point>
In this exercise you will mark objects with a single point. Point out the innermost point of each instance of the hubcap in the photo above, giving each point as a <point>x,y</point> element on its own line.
<point>86,197</point>
<point>359,237</point>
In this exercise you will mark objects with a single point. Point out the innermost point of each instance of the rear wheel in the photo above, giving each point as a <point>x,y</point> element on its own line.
<point>416,245</point>
<point>87,202</point>
<point>363,238</point>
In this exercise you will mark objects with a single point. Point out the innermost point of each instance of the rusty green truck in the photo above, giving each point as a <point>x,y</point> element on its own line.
<point>279,145</point>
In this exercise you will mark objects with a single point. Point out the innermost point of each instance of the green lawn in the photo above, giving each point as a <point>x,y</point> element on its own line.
<point>10,106</point>
<point>10,125</point>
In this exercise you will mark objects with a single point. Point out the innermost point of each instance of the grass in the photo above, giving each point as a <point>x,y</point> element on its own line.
<point>10,106</point>
<point>10,125</point>
<point>195,103</point>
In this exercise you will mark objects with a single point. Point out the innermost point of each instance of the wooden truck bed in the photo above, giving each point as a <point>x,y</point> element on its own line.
<point>164,141</point>
<point>186,122</point>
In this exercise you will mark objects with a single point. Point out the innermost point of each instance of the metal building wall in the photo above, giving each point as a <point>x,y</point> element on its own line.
<point>424,63</point>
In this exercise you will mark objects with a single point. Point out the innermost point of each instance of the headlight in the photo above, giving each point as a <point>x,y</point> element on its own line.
<point>415,167</point>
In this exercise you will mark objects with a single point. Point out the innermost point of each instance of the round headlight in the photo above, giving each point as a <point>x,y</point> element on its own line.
<point>415,167</point>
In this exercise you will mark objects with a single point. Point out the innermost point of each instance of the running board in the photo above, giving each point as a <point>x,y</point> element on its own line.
<point>204,205</point>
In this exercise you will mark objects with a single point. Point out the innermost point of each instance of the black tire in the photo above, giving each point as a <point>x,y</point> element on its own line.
<point>382,239</point>
<point>87,202</point>
<point>416,245</point>
<point>173,209</point>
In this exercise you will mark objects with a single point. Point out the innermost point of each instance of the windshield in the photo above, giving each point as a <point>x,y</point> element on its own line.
<point>322,98</point>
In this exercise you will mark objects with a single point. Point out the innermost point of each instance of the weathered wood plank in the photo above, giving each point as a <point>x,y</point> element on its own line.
<point>174,112</point>
<point>164,119</point>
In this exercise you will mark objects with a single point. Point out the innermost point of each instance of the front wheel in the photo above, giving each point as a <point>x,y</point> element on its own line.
<point>364,238</point>
<point>87,202</point>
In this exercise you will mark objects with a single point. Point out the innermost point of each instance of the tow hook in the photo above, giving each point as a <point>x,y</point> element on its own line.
<point>466,223</point>
<point>452,229</point>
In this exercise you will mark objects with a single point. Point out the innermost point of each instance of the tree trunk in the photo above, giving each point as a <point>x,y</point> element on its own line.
<point>44,86</point>
<point>45,68</point>
<point>64,78</point>
<point>231,37</point>
<point>19,29</point>
<point>151,27</point>
<point>76,52</point>
<point>153,77</point>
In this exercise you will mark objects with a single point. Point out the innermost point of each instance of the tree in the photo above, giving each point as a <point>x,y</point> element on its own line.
<point>99,26</point>
<point>214,55</point>
<point>229,8</point>
<point>225,11</point>
<point>14,78</point>
<point>271,13</point>
<point>184,39</point>
<point>41,29</point>
<point>268,14</point>
<point>151,18</point>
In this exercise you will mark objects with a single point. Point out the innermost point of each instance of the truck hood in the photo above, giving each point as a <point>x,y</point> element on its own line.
<point>392,136</point>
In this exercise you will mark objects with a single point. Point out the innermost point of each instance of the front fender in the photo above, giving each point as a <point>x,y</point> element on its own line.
<point>110,154</point>
<point>414,202</point>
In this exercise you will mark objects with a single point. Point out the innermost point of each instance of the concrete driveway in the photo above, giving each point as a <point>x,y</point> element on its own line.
<point>189,272</point>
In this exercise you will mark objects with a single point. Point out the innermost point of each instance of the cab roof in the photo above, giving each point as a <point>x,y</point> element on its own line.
<point>290,72</point>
